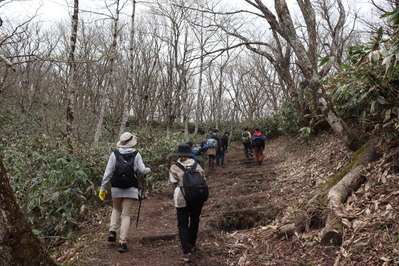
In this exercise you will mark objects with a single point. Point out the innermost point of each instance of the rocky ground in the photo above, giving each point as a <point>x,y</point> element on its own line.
<point>248,203</point>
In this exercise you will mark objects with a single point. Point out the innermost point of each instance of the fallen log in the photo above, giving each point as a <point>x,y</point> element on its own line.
<point>339,193</point>
<point>332,195</point>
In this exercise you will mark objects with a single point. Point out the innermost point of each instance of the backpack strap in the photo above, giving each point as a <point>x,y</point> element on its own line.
<point>119,154</point>
<point>194,166</point>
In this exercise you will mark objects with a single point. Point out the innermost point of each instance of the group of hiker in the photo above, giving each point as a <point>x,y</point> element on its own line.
<point>215,148</point>
<point>186,174</point>
<point>253,144</point>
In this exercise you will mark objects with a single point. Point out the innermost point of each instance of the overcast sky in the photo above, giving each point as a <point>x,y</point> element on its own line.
<point>46,9</point>
<point>55,10</point>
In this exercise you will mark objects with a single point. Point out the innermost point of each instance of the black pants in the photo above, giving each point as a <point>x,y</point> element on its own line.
<point>188,219</point>
<point>247,148</point>
<point>218,156</point>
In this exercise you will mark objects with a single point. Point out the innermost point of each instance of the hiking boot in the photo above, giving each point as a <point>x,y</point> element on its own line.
<point>122,247</point>
<point>186,257</point>
<point>112,236</point>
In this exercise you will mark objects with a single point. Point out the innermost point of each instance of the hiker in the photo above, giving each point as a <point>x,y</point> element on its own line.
<point>188,213</point>
<point>213,147</point>
<point>215,135</point>
<point>201,153</point>
<point>246,140</point>
<point>258,143</point>
<point>192,151</point>
<point>123,195</point>
<point>225,144</point>
<point>203,148</point>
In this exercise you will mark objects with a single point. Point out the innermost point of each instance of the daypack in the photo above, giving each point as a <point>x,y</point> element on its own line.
<point>195,189</point>
<point>212,143</point>
<point>258,141</point>
<point>245,137</point>
<point>124,174</point>
<point>197,149</point>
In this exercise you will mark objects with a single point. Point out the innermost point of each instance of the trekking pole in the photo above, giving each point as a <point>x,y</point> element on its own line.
<point>140,199</point>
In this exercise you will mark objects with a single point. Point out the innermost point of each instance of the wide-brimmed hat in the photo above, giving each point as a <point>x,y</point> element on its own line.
<point>184,150</point>
<point>127,140</point>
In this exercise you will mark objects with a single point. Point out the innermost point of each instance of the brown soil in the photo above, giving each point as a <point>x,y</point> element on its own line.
<point>277,187</point>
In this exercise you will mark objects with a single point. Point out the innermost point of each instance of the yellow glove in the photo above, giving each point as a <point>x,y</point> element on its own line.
<point>102,195</point>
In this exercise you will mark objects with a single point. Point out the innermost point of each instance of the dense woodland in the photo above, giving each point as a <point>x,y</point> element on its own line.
<point>172,71</point>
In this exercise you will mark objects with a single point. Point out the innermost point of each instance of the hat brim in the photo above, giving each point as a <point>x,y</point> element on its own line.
<point>129,144</point>
<point>183,154</point>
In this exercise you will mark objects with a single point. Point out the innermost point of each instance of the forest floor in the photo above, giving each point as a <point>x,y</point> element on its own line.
<point>232,235</point>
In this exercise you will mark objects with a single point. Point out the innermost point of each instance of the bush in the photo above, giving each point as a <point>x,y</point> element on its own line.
<point>51,185</point>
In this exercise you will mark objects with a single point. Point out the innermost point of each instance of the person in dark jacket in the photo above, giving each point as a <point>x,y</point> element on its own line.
<point>216,136</point>
<point>246,140</point>
<point>258,144</point>
<point>225,144</point>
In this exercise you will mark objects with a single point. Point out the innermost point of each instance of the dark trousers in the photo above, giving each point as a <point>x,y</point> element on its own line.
<point>188,219</point>
<point>211,160</point>
<point>218,156</point>
<point>247,148</point>
<point>222,153</point>
<point>258,151</point>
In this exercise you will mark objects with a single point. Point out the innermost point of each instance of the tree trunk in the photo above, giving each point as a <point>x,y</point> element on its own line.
<point>126,102</point>
<point>71,77</point>
<point>18,244</point>
<point>198,107</point>
<point>109,82</point>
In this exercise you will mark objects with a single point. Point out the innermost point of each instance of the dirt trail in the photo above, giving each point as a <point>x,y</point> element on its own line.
<point>158,218</point>
<point>285,177</point>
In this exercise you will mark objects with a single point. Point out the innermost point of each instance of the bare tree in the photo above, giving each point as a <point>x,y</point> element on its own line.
<point>109,82</point>
<point>282,26</point>
<point>177,64</point>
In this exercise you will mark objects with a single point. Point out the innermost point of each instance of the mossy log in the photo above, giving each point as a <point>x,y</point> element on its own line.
<point>338,194</point>
<point>333,194</point>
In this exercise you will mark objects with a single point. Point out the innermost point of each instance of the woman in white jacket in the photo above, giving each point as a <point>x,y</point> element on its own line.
<point>123,198</point>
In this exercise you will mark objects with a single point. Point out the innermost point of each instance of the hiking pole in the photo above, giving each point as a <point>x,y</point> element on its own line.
<point>140,199</point>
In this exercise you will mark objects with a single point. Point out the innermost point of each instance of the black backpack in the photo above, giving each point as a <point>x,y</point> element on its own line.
<point>195,189</point>
<point>124,174</point>
<point>258,142</point>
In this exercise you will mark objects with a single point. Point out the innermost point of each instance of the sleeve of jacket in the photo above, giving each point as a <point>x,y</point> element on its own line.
<point>109,170</point>
<point>176,177</point>
<point>139,164</point>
